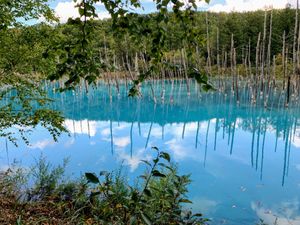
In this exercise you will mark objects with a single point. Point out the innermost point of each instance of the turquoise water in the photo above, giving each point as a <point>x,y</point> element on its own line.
<point>244,160</point>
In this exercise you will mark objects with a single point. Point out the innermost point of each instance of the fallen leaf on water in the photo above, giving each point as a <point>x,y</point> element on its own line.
<point>268,212</point>
<point>243,188</point>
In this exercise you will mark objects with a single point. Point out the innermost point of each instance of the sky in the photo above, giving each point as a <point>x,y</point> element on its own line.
<point>65,8</point>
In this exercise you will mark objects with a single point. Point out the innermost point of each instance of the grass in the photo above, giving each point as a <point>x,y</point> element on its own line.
<point>41,195</point>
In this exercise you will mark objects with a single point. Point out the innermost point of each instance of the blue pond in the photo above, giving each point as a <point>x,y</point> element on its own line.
<point>244,160</point>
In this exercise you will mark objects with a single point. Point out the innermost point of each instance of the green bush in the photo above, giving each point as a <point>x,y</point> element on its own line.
<point>158,197</point>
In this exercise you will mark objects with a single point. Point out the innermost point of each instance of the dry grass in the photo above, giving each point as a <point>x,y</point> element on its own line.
<point>13,211</point>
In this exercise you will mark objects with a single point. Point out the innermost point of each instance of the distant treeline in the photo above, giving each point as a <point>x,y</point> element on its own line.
<point>39,48</point>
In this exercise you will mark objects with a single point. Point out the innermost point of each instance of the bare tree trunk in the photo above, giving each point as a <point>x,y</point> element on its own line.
<point>263,54</point>
<point>198,58</point>
<point>269,48</point>
<point>245,61</point>
<point>218,57</point>
<point>295,40</point>
<point>236,77</point>
<point>225,67</point>
<point>257,66</point>
<point>286,63</point>
<point>232,61</point>
<point>249,58</point>
<point>116,76</point>
<point>298,43</point>
<point>288,91</point>
<point>128,64</point>
<point>183,55</point>
<point>283,59</point>
<point>274,71</point>
<point>208,47</point>
<point>136,63</point>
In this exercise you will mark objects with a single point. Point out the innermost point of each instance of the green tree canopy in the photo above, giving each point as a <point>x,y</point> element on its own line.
<point>13,12</point>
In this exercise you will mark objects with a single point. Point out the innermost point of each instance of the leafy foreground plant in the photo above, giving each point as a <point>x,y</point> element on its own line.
<point>107,198</point>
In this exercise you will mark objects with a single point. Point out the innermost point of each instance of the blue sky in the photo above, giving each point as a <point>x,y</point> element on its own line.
<point>65,8</point>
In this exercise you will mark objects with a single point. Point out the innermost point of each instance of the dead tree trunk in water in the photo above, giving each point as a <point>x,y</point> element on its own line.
<point>257,67</point>
<point>286,63</point>
<point>208,47</point>
<point>283,59</point>
<point>288,91</point>
<point>249,58</point>
<point>232,62</point>
<point>295,39</point>
<point>298,41</point>
<point>245,61</point>
<point>251,78</point>
<point>263,54</point>
<point>236,77</point>
<point>225,63</point>
<point>183,56</point>
<point>269,48</point>
<point>274,71</point>
<point>218,57</point>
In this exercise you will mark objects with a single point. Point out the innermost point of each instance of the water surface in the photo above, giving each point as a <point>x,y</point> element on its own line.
<point>244,160</point>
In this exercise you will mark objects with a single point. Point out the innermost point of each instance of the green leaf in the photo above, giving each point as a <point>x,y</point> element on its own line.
<point>143,176</point>
<point>165,156</point>
<point>155,160</point>
<point>134,195</point>
<point>207,87</point>
<point>165,166</point>
<point>185,200</point>
<point>81,11</point>
<point>144,161</point>
<point>156,173</point>
<point>145,219</point>
<point>197,215</point>
<point>162,164</point>
<point>154,148</point>
<point>91,178</point>
<point>147,192</point>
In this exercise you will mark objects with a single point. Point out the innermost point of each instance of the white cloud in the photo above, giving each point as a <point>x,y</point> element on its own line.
<point>69,142</point>
<point>176,130</point>
<point>105,132</point>
<point>202,4</point>
<point>133,161</point>
<point>288,213</point>
<point>122,142</point>
<point>93,143</point>
<point>103,15</point>
<point>67,9</point>
<point>296,140</point>
<point>82,127</point>
<point>248,5</point>
<point>179,151</point>
<point>42,144</point>
<point>204,205</point>
<point>146,1</point>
